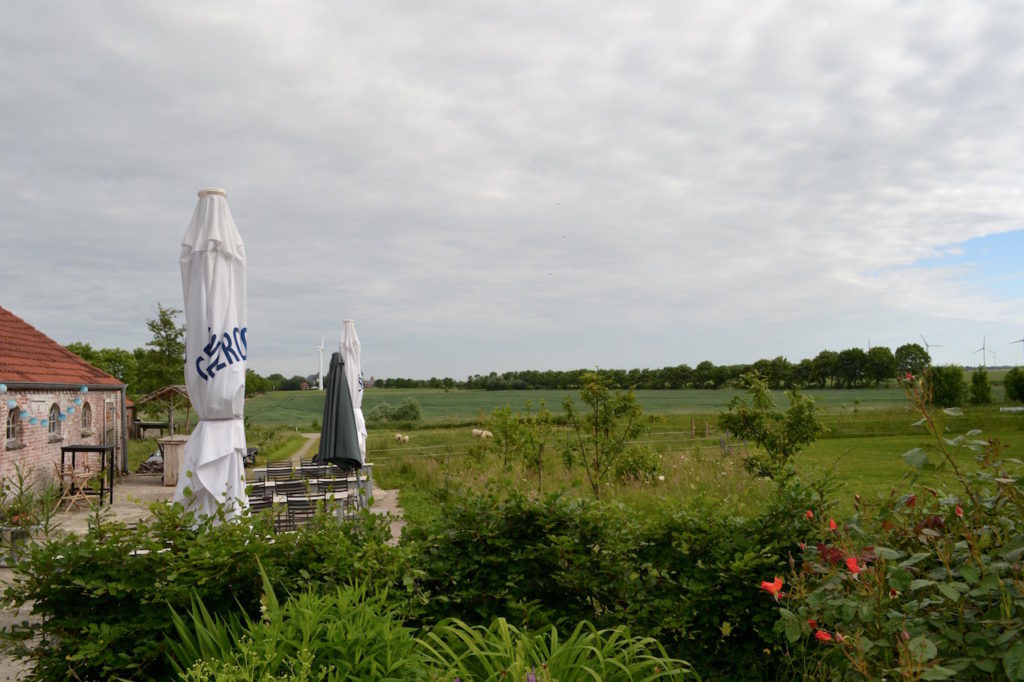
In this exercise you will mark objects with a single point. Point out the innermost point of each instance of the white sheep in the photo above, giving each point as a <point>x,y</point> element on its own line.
<point>477,432</point>
<point>398,438</point>
<point>485,434</point>
<point>405,439</point>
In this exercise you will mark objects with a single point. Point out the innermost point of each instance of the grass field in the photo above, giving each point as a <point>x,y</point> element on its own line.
<point>866,433</point>
<point>300,409</point>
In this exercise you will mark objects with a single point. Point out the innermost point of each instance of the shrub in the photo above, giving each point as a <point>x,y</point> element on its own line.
<point>345,634</point>
<point>103,597</point>
<point>945,385</point>
<point>638,463</point>
<point>680,577</point>
<point>500,651</point>
<point>930,587</point>
<point>981,389</point>
<point>599,437</point>
<point>408,410</point>
<point>1013,382</point>
<point>779,434</point>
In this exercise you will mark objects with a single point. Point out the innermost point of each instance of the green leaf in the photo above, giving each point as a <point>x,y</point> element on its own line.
<point>969,573</point>
<point>900,579</point>
<point>888,554</point>
<point>919,583</point>
<point>916,458</point>
<point>1013,661</point>
<point>937,673</point>
<point>922,649</point>
<point>949,592</point>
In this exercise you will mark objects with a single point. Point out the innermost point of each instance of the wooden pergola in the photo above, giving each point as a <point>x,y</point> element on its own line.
<point>172,396</point>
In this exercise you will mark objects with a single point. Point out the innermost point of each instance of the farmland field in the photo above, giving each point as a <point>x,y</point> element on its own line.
<point>301,408</point>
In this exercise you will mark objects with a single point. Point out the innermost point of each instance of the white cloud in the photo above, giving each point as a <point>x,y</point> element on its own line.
<point>502,186</point>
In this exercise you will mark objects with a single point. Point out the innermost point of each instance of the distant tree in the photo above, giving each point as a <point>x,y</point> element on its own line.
<point>824,368</point>
<point>292,384</point>
<point>163,362</point>
<point>704,375</point>
<point>981,389</point>
<point>946,385</point>
<point>880,365</point>
<point>850,367</point>
<point>1013,383</point>
<point>779,434</point>
<point>255,384</point>
<point>599,437</point>
<point>912,358</point>
<point>118,363</point>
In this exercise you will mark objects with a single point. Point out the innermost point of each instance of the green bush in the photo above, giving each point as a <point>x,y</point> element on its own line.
<point>638,463</point>
<point>408,411</point>
<point>930,587</point>
<point>945,386</point>
<point>981,389</point>
<point>103,597</point>
<point>682,578</point>
<point>1013,382</point>
<point>345,634</point>
<point>500,651</point>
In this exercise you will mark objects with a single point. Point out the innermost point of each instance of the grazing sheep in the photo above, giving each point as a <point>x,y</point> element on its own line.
<point>486,434</point>
<point>398,438</point>
<point>477,432</point>
<point>405,439</point>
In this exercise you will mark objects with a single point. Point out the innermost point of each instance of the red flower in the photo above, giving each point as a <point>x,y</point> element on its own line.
<point>851,564</point>
<point>893,593</point>
<point>813,623</point>
<point>959,511</point>
<point>822,636</point>
<point>912,500</point>
<point>773,587</point>
<point>809,515</point>
<point>832,524</point>
<point>910,377</point>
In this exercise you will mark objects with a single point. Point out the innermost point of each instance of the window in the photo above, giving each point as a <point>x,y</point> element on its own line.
<point>12,425</point>
<point>86,416</point>
<point>54,418</point>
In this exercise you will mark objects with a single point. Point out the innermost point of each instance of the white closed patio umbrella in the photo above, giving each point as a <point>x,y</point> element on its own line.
<point>350,352</point>
<point>213,279</point>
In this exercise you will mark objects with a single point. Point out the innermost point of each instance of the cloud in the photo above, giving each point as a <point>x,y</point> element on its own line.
<point>504,186</point>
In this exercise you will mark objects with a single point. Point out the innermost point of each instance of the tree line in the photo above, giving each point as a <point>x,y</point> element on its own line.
<point>851,368</point>
<point>160,363</point>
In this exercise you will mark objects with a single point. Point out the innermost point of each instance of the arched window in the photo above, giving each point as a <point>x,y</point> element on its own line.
<point>13,426</point>
<point>54,418</point>
<point>86,416</point>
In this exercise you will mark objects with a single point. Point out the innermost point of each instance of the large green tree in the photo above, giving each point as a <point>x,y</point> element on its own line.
<point>912,358</point>
<point>880,365</point>
<point>850,367</point>
<point>117,362</point>
<point>163,362</point>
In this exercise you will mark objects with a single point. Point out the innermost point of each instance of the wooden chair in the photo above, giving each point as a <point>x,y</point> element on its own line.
<point>73,484</point>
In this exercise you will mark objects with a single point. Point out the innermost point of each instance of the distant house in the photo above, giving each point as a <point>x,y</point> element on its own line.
<point>50,397</point>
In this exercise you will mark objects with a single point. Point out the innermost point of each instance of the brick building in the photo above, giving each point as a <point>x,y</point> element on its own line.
<point>50,397</point>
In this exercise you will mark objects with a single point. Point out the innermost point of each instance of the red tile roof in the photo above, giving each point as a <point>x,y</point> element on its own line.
<point>27,356</point>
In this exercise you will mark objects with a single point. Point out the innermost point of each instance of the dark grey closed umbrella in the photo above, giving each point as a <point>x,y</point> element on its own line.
<point>339,442</point>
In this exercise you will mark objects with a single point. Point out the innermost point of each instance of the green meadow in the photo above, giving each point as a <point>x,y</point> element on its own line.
<point>867,431</point>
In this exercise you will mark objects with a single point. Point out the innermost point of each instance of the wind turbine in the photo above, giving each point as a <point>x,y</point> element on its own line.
<point>1020,341</point>
<point>320,372</point>
<point>928,346</point>
<point>983,351</point>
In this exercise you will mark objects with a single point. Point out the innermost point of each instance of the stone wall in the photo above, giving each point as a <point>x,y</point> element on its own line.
<point>36,448</point>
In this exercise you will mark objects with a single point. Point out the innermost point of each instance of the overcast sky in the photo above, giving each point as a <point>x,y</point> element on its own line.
<point>508,185</point>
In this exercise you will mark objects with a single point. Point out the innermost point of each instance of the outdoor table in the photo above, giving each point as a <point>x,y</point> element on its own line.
<point>106,472</point>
